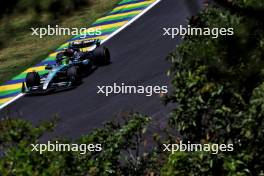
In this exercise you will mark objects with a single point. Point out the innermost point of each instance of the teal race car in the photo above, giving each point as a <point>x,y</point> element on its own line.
<point>71,64</point>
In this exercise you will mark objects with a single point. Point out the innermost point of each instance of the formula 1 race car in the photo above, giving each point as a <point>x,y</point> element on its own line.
<point>68,70</point>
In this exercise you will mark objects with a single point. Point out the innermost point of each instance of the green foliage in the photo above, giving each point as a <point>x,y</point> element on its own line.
<point>17,16</point>
<point>181,160</point>
<point>205,110</point>
<point>218,94</point>
<point>13,131</point>
<point>203,164</point>
<point>256,4</point>
<point>246,159</point>
<point>116,138</point>
<point>235,60</point>
<point>52,6</point>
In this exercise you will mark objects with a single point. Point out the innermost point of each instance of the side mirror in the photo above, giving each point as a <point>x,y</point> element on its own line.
<point>48,67</point>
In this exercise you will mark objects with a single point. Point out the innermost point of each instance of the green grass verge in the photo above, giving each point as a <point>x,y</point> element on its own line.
<point>23,50</point>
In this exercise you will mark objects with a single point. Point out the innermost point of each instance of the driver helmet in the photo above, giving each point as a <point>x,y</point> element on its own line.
<point>69,52</point>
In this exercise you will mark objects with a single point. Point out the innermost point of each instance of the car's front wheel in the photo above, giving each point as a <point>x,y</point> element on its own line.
<point>101,56</point>
<point>32,79</point>
<point>73,75</point>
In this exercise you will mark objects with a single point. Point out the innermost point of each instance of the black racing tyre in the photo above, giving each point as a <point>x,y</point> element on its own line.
<point>73,75</point>
<point>32,79</point>
<point>101,56</point>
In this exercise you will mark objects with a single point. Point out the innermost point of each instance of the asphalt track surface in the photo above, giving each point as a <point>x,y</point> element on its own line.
<point>138,56</point>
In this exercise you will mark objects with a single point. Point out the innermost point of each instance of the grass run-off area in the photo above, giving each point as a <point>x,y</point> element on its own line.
<point>20,50</point>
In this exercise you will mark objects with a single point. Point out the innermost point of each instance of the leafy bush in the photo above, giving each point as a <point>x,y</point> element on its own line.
<point>218,85</point>
<point>119,142</point>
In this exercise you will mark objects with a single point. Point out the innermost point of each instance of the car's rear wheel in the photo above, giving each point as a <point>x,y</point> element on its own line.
<point>73,75</point>
<point>101,56</point>
<point>32,79</point>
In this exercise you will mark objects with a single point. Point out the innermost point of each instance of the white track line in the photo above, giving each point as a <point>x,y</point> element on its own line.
<point>11,101</point>
<point>131,21</point>
<point>103,41</point>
